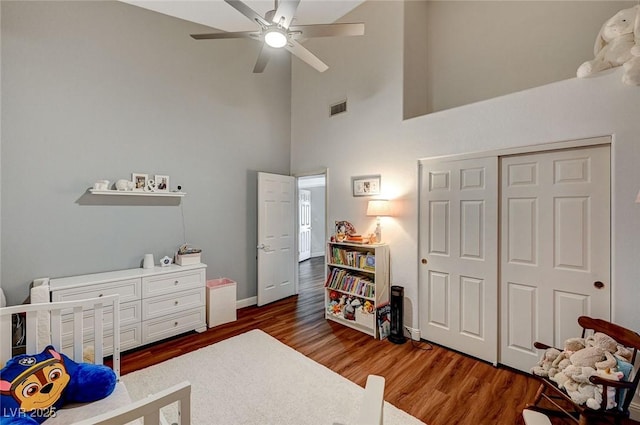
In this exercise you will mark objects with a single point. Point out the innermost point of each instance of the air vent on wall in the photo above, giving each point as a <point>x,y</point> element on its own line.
<point>338,108</point>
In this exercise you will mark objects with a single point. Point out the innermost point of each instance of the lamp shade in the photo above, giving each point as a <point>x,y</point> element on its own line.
<point>379,207</point>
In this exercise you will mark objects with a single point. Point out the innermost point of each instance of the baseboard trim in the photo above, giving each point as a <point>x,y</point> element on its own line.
<point>317,254</point>
<point>247,302</point>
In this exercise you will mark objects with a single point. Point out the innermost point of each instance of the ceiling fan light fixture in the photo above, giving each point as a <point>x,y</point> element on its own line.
<point>275,37</point>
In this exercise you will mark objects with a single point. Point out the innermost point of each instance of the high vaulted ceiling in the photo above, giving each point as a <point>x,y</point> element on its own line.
<point>218,14</point>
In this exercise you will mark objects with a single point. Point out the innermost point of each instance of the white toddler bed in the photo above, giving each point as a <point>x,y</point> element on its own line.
<point>78,315</point>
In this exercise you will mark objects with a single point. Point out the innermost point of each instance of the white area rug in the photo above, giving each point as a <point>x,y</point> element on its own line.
<point>255,379</point>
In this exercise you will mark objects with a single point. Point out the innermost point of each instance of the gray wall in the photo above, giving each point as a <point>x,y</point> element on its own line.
<point>467,51</point>
<point>98,90</point>
<point>368,71</point>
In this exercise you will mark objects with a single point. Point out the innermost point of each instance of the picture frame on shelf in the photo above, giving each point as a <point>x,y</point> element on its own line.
<point>366,185</point>
<point>162,183</point>
<point>139,181</point>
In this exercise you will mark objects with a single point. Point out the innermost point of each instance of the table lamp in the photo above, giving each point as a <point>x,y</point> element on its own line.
<point>379,208</point>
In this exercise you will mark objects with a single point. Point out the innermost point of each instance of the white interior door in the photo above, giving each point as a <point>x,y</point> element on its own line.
<point>304,220</point>
<point>555,246</point>
<point>458,276</point>
<point>276,233</point>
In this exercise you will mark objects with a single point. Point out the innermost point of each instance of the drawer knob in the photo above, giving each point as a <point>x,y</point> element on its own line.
<point>175,323</point>
<point>175,302</point>
<point>100,295</point>
<point>175,283</point>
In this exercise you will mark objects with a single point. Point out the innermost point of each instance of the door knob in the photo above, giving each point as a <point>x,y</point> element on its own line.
<point>598,284</point>
<point>424,261</point>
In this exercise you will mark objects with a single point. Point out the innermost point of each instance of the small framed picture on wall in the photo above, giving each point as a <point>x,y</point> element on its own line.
<point>366,185</point>
<point>139,181</point>
<point>162,183</point>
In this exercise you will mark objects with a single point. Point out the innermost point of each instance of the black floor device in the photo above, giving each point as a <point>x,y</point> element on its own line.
<point>396,335</point>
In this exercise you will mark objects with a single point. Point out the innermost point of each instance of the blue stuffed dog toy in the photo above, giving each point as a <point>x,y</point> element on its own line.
<point>34,387</point>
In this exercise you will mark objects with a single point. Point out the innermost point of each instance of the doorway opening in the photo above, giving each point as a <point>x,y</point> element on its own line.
<point>312,207</point>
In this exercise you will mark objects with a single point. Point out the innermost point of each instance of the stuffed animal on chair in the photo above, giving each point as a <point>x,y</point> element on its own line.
<point>618,43</point>
<point>33,387</point>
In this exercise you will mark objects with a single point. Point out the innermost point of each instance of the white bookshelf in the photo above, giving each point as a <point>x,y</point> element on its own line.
<point>357,284</point>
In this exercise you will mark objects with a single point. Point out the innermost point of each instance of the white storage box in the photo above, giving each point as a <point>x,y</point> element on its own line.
<point>186,259</point>
<point>221,301</point>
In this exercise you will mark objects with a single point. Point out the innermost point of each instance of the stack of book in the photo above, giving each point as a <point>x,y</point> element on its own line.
<point>345,257</point>
<point>352,284</point>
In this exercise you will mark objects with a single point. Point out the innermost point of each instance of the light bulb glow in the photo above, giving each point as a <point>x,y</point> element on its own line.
<point>275,38</point>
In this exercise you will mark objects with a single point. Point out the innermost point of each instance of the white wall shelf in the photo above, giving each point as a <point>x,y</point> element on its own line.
<point>136,193</point>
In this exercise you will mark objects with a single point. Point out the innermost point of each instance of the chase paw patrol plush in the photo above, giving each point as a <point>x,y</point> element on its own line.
<point>34,387</point>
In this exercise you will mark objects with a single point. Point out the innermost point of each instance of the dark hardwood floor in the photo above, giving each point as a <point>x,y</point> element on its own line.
<point>438,386</point>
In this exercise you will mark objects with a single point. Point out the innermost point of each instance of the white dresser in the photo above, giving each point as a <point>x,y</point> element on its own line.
<point>155,303</point>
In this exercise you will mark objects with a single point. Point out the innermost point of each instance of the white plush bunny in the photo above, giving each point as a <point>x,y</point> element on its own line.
<point>618,43</point>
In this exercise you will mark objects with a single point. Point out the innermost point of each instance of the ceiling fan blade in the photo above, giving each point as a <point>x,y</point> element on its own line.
<point>285,13</point>
<point>263,59</point>
<point>327,30</point>
<point>306,56</point>
<point>247,11</point>
<point>219,35</point>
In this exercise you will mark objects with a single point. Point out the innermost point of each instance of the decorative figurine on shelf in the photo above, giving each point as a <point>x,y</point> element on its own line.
<point>151,186</point>
<point>123,185</point>
<point>165,261</point>
<point>101,185</point>
<point>345,228</point>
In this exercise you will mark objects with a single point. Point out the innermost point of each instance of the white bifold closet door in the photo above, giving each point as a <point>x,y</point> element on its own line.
<point>555,248</point>
<point>458,276</point>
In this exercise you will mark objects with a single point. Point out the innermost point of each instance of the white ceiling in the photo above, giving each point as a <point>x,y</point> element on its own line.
<point>218,14</point>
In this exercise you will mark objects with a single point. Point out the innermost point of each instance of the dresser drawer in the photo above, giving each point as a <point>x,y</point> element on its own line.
<point>167,326</point>
<point>174,282</point>
<point>129,290</point>
<point>172,303</point>
<point>130,313</point>
<point>130,337</point>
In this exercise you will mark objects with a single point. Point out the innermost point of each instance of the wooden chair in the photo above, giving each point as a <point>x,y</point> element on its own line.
<point>562,403</point>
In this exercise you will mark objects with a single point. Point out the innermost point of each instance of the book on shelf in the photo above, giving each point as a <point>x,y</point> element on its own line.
<point>370,262</point>
<point>353,258</point>
<point>383,316</point>
<point>344,281</point>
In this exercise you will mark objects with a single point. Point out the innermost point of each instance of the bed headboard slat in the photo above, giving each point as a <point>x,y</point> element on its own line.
<point>5,330</point>
<point>56,328</point>
<point>32,332</point>
<point>98,333</point>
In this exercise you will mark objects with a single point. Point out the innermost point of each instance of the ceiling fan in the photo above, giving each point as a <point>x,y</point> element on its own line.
<point>277,32</point>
